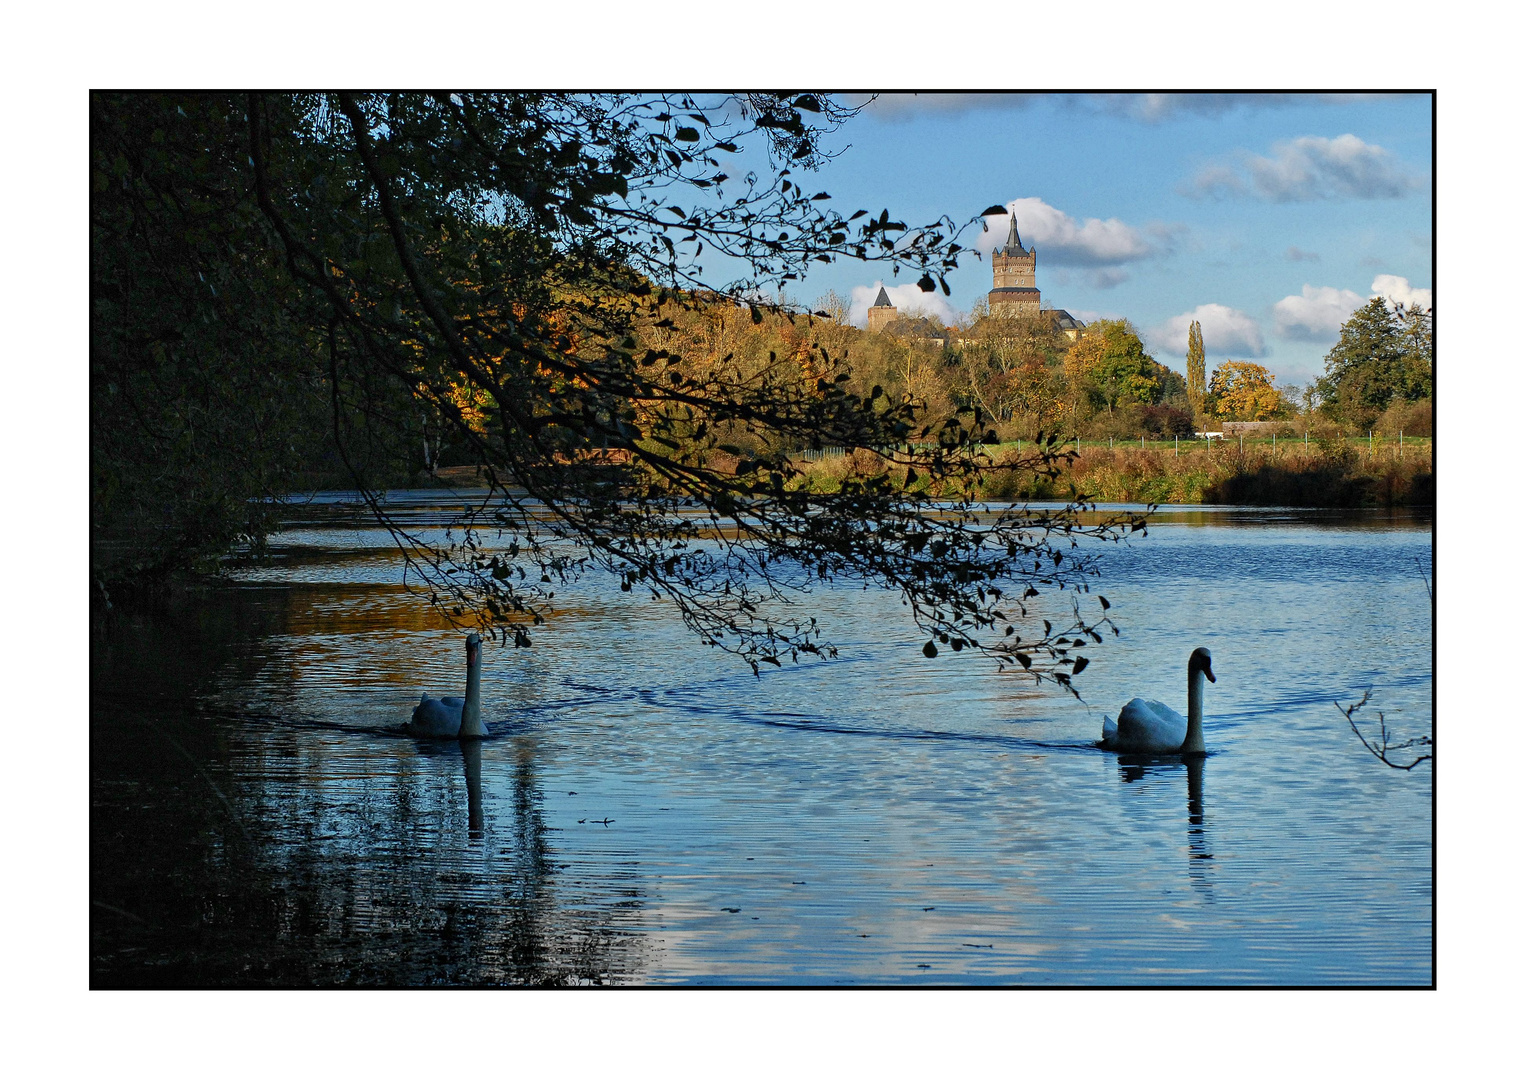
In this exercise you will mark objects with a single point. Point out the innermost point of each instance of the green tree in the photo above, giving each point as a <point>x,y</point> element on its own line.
<point>1417,354</point>
<point>1110,364</point>
<point>513,268</point>
<point>1197,386</point>
<point>1384,355</point>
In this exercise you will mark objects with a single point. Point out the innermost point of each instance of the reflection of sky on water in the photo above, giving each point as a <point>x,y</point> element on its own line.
<point>865,817</point>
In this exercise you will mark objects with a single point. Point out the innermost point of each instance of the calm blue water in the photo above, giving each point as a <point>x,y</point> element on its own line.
<point>649,812</point>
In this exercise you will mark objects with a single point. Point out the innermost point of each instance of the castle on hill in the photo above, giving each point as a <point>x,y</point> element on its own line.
<point>1014,289</point>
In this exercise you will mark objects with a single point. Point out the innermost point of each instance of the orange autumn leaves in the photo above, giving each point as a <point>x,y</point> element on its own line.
<point>1241,390</point>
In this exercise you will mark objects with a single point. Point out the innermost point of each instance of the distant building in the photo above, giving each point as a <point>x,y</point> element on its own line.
<point>882,313</point>
<point>917,328</point>
<point>1014,287</point>
<point>1067,324</point>
<point>1013,291</point>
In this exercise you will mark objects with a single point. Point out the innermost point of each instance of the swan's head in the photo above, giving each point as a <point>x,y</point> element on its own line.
<point>473,646</point>
<point>1202,660</point>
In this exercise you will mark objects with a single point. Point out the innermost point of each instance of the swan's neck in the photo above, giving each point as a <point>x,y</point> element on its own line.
<point>471,712</point>
<point>1194,741</point>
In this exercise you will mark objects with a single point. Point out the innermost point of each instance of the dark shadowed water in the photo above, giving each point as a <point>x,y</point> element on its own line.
<point>647,811</point>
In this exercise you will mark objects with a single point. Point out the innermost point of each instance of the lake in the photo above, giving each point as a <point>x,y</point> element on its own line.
<point>649,812</point>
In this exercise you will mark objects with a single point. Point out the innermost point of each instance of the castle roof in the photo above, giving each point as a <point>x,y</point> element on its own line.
<point>917,326</point>
<point>882,300</point>
<point>1014,244</point>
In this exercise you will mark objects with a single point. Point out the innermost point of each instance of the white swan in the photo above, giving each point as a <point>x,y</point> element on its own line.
<point>453,717</point>
<point>1148,727</point>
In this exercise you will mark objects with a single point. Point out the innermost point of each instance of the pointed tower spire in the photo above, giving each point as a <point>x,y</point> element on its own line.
<point>882,300</point>
<point>1014,244</point>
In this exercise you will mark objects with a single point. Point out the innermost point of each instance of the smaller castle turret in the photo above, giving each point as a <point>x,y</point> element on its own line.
<point>882,313</point>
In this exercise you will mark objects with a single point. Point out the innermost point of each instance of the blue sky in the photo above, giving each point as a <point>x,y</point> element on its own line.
<point>1268,218</point>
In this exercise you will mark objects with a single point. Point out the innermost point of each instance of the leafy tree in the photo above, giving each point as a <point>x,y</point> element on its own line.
<point>1241,390</point>
<point>520,269</point>
<point>1196,367</point>
<point>1417,354</point>
<point>1010,366</point>
<point>1384,355</point>
<point>1111,365</point>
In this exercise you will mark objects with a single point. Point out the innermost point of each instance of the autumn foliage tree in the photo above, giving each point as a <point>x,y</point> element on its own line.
<point>1241,390</point>
<point>1012,367</point>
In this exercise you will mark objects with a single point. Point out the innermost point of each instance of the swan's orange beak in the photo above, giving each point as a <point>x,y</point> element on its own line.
<point>1208,670</point>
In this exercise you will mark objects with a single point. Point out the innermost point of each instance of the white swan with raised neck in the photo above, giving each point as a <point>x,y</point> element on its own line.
<point>453,717</point>
<point>1149,727</point>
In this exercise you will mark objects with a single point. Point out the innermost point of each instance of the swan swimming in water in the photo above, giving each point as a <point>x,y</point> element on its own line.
<point>453,717</point>
<point>1148,727</point>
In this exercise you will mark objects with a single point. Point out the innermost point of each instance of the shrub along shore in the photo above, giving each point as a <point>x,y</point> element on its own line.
<point>1327,473</point>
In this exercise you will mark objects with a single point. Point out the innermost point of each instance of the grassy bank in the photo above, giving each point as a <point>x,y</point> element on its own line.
<point>1329,474</point>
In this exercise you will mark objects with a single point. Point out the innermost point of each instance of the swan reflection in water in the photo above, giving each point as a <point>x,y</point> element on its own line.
<point>471,758</point>
<point>1134,768</point>
<point>471,767</point>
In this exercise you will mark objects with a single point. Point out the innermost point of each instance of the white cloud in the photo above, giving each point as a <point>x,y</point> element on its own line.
<point>907,106</point>
<point>1153,108</point>
<point>1226,331</point>
<point>908,300</point>
<point>1064,241</point>
<point>1308,168</point>
<point>1147,108</point>
<point>1398,290</point>
<point>1316,314</point>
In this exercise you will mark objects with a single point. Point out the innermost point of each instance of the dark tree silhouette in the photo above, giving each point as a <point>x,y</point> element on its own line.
<point>502,267</point>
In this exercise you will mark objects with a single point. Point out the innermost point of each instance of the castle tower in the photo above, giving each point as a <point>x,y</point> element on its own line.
<point>1013,291</point>
<point>882,313</point>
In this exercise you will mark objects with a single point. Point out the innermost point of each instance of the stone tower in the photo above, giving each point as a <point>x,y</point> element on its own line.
<point>1013,291</point>
<point>882,313</point>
